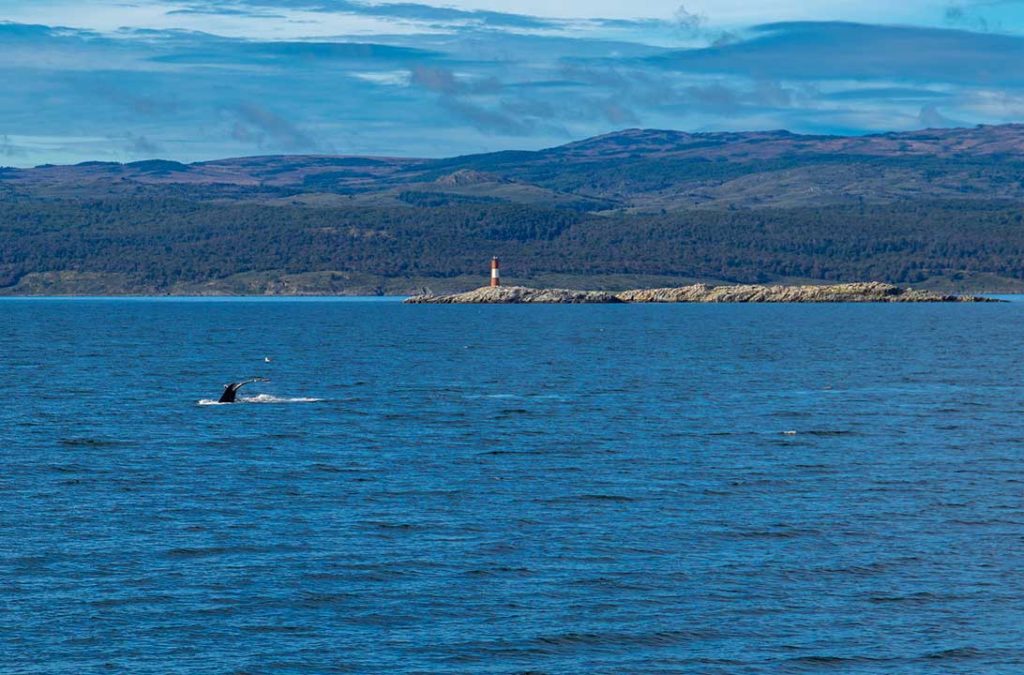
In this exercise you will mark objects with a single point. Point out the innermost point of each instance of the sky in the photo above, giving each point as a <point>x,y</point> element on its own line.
<point>190,80</point>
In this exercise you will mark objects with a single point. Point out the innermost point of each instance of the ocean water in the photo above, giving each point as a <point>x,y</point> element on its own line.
<point>504,489</point>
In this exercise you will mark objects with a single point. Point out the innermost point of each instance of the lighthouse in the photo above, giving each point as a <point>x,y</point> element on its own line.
<point>495,278</point>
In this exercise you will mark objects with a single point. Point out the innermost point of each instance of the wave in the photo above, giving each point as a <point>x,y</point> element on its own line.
<point>520,397</point>
<point>89,442</point>
<point>587,498</point>
<point>821,432</point>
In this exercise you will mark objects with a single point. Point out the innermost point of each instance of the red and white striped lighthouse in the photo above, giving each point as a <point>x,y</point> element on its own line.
<point>495,278</point>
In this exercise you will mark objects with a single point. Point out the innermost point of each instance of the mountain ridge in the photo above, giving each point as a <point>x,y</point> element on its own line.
<point>631,169</point>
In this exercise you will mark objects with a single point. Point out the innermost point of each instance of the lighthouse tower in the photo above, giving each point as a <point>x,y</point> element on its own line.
<point>495,278</point>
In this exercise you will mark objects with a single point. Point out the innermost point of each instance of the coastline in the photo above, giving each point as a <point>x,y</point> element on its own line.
<point>695,293</point>
<point>325,284</point>
<point>864,292</point>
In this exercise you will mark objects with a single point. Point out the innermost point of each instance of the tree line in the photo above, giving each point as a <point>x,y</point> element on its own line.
<point>160,241</point>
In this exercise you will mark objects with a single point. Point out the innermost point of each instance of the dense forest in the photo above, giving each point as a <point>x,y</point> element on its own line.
<point>155,244</point>
<point>934,208</point>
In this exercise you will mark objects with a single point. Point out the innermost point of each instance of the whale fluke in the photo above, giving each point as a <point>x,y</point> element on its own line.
<point>231,390</point>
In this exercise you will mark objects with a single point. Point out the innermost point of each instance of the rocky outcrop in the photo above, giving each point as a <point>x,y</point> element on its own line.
<point>857,292</point>
<point>514,295</point>
<point>464,177</point>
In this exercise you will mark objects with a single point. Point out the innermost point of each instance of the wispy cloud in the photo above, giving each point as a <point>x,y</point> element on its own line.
<point>269,130</point>
<point>9,149</point>
<point>859,51</point>
<point>141,146</point>
<point>396,10</point>
<point>405,78</point>
<point>931,118</point>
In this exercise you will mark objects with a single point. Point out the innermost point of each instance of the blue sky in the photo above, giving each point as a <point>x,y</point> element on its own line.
<point>201,79</point>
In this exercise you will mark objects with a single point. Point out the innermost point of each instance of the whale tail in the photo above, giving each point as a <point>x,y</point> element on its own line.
<point>231,390</point>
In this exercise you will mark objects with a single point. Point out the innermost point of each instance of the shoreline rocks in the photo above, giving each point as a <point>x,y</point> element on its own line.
<point>872,291</point>
<point>514,295</point>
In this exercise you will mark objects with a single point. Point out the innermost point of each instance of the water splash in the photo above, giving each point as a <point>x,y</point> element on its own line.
<point>261,398</point>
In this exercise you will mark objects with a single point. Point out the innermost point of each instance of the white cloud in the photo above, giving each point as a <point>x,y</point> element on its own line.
<point>108,16</point>
<point>433,87</point>
<point>733,12</point>
<point>271,22</point>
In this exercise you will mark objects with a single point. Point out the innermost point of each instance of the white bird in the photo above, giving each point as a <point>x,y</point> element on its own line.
<point>266,359</point>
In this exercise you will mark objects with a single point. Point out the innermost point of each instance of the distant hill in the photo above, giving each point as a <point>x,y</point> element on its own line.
<point>938,208</point>
<point>634,169</point>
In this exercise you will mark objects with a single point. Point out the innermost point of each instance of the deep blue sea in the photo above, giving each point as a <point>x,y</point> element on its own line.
<point>506,489</point>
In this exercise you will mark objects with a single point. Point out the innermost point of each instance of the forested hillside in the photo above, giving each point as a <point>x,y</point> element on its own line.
<point>151,245</point>
<point>941,209</point>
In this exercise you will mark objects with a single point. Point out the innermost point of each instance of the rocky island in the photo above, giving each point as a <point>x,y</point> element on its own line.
<point>852,292</point>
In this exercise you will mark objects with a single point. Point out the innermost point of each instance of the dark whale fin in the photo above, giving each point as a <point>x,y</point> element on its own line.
<point>231,390</point>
